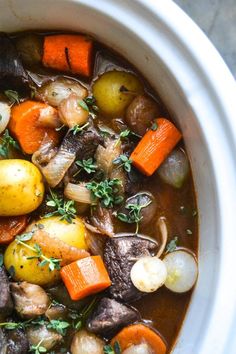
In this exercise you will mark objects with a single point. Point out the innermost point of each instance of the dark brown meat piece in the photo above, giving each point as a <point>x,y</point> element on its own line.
<point>6,304</point>
<point>12,74</point>
<point>17,342</point>
<point>110,316</point>
<point>120,254</point>
<point>83,144</point>
<point>102,219</point>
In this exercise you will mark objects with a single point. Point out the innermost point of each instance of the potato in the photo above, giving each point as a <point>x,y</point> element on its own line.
<point>21,187</point>
<point>28,269</point>
<point>71,233</point>
<point>108,88</point>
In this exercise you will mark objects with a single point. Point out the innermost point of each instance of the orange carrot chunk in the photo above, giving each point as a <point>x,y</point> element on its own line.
<point>68,52</point>
<point>137,334</point>
<point>10,227</point>
<point>155,146</point>
<point>25,128</point>
<point>85,277</point>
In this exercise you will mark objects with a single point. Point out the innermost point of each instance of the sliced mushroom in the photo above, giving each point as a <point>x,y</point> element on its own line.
<point>30,299</point>
<point>102,219</point>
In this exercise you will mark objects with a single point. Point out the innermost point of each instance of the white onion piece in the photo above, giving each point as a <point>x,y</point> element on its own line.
<point>48,337</point>
<point>5,113</point>
<point>71,112</point>
<point>78,192</point>
<point>161,223</point>
<point>45,153</point>
<point>48,117</point>
<point>57,167</point>
<point>56,91</point>
<point>175,168</point>
<point>138,349</point>
<point>86,343</point>
<point>182,271</point>
<point>105,156</point>
<point>148,274</point>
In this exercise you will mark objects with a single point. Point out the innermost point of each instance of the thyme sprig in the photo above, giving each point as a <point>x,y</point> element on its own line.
<point>64,208</point>
<point>106,191</point>
<point>123,161</point>
<point>6,143</point>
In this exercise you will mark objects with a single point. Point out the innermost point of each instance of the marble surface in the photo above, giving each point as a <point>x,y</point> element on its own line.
<point>217,18</point>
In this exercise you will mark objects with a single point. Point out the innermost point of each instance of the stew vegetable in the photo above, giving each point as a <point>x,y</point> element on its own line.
<point>98,219</point>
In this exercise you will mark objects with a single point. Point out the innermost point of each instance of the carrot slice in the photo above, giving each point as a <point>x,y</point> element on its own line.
<point>56,248</point>
<point>25,128</point>
<point>85,277</point>
<point>137,334</point>
<point>68,52</point>
<point>10,227</point>
<point>155,146</point>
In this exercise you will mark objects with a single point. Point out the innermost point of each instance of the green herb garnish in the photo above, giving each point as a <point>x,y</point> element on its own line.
<point>106,191</point>
<point>172,245</point>
<point>116,349</point>
<point>1,259</point>
<point>38,349</point>
<point>134,215</point>
<point>13,96</point>
<point>123,161</point>
<point>154,126</point>
<point>79,319</point>
<point>89,105</point>
<point>59,326</point>
<point>78,128</point>
<point>125,134</point>
<point>87,165</point>
<point>6,142</point>
<point>53,263</point>
<point>64,208</point>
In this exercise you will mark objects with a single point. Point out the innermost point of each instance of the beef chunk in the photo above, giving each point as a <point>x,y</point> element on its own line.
<point>6,304</point>
<point>120,254</point>
<point>83,144</point>
<point>17,342</point>
<point>12,74</point>
<point>110,316</point>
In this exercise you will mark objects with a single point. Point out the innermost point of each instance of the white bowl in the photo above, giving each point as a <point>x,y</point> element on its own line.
<point>193,81</point>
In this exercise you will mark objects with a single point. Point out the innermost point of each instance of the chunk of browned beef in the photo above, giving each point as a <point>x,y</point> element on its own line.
<point>120,254</point>
<point>6,304</point>
<point>110,316</point>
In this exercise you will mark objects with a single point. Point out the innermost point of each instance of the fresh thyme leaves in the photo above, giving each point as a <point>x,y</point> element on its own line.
<point>116,349</point>
<point>38,349</point>
<point>89,104</point>
<point>125,134</point>
<point>79,128</point>
<point>6,142</point>
<point>25,237</point>
<point>13,96</point>
<point>64,208</point>
<point>59,326</point>
<point>79,319</point>
<point>134,213</point>
<point>154,126</point>
<point>15,325</point>
<point>53,263</point>
<point>106,191</point>
<point>87,165</point>
<point>172,245</point>
<point>123,161</point>
<point>1,259</point>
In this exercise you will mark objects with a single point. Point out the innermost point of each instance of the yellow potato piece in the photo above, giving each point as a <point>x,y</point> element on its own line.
<point>109,92</point>
<point>15,259</point>
<point>21,187</point>
<point>71,233</point>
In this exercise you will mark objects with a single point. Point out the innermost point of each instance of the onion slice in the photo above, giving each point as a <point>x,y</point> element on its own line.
<point>5,113</point>
<point>164,235</point>
<point>57,167</point>
<point>182,271</point>
<point>78,193</point>
<point>138,349</point>
<point>86,343</point>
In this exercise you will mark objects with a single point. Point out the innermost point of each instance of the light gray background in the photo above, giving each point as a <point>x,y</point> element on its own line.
<point>217,18</point>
